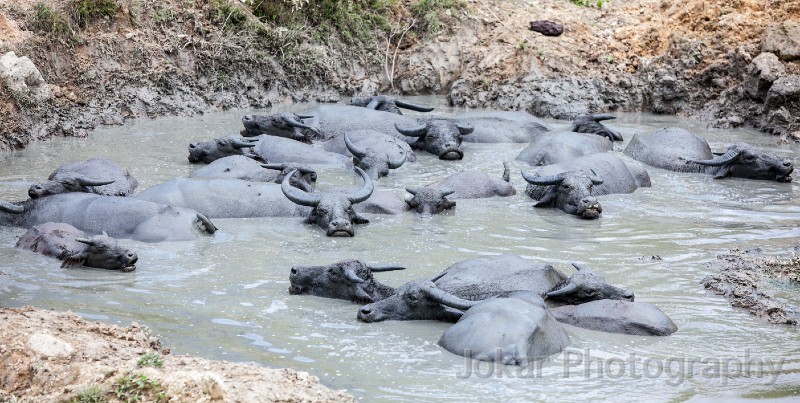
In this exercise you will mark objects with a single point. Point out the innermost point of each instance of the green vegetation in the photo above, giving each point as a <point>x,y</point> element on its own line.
<point>85,12</point>
<point>51,22</point>
<point>150,360</point>
<point>428,11</point>
<point>135,388</point>
<point>588,3</point>
<point>230,16</point>
<point>89,395</point>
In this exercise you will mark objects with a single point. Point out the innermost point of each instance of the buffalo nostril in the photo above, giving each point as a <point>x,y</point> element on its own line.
<point>293,271</point>
<point>365,311</point>
<point>787,164</point>
<point>130,255</point>
<point>192,145</point>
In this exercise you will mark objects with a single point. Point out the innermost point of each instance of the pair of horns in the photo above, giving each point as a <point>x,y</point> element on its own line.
<point>375,102</point>
<point>84,181</point>
<point>556,179</point>
<point>312,199</point>
<point>360,153</point>
<point>279,167</point>
<point>292,122</point>
<point>351,274</point>
<point>570,288</point>
<point>239,143</point>
<point>445,193</point>
<point>422,130</point>
<point>445,298</point>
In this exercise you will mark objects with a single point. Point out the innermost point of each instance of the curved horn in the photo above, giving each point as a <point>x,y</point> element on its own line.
<point>242,144</point>
<point>357,152</point>
<point>419,131</point>
<point>84,240</point>
<point>373,103</point>
<point>292,122</point>
<point>306,170</point>
<point>566,290</point>
<point>465,129</point>
<point>603,116</point>
<point>351,275</point>
<point>543,180</point>
<point>595,178</point>
<point>298,196</point>
<point>447,192</point>
<point>84,181</point>
<point>305,116</point>
<point>394,164</point>
<point>209,226</point>
<point>412,107</point>
<point>506,172</point>
<point>413,191</point>
<point>448,299</point>
<point>278,167</point>
<point>11,207</point>
<point>365,191</point>
<point>580,266</point>
<point>379,269</point>
<point>725,159</point>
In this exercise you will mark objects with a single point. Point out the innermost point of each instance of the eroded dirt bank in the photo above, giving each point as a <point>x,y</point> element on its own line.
<point>730,62</point>
<point>49,356</point>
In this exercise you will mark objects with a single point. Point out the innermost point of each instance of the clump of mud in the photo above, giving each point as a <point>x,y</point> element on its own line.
<point>749,280</point>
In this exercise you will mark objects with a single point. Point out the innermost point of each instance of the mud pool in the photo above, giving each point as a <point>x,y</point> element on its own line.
<point>225,297</point>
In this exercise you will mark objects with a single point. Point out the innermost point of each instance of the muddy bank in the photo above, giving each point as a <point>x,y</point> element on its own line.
<point>58,356</point>
<point>732,63</point>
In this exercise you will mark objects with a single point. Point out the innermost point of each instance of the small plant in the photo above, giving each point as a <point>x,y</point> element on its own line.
<point>163,15</point>
<point>89,395</point>
<point>134,388</point>
<point>428,12</point>
<point>588,3</point>
<point>150,360</point>
<point>229,15</point>
<point>49,21</point>
<point>86,11</point>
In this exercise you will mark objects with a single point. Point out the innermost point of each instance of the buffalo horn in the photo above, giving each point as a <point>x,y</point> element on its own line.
<point>84,181</point>
<point>724,159</point>
<point>419,131</point>
<point>357,152</point>
<point>278,167</point>
<point>11,207</point>
<point>294,123</point>
<point>242,144</point>
<point>603,116</point>
<point>298,196</point>
<point>365,192</point>
<point>303,117</point>
<point>448,299</point>
<point>566,290</point>
<point>378,269</point>
<point>208,226</point>
<point>595,178</point>
<point>373,103</point>
<point>580,266</point>
<point>412,107</point>
<point>351,275</point>
<point>447,192</point>
<point>84,240</point>
<point>306,170</point>
<point>413,191</point>
<point>543,180</point>
<point>465,129</point>
<point>394,164</point>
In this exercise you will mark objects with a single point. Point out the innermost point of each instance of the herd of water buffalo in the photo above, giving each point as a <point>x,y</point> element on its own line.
<point>506,308</point>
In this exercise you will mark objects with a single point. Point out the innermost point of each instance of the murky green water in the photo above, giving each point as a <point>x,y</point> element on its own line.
<point>225,297</point>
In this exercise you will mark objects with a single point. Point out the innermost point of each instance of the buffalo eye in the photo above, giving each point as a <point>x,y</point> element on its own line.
<point>220,144</point>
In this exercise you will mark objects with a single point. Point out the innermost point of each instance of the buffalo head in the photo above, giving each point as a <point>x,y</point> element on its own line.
<point>585,285</point>
<point>429,200</point>
<point>417,300</point>
<point>65,183</point>
<point>302,181</point>
<point>591,124</point>
<point>333,211</point>
<point>744,161</point>
<point>103,252</point>
<point>212,150</point>
<point>439,137</point>
<point>568,191</point>
<point>349,280</point>
<point>387,104</point>
<point>284,124</point>
<point>375,165</point>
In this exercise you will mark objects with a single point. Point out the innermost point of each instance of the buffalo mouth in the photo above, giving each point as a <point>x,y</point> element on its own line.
<point>34,194</point>
<point>785,177</point>
<point>451,155</point>
<point>129,268</point>
<point>341,233</point>
<point>591,213</point>
<point>295,289</point>
<point>369,316</point>
<point>193,159</point>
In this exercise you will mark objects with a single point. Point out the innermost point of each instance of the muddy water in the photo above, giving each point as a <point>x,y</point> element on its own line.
<point>225,297</point>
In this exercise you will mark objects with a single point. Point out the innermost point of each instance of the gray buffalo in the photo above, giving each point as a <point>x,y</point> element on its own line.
<point>285,124</point>
<point>676,149</point>
<point>120,217</point>
<point>278,150</point>
<point>562,147</point>
<point>376,160</point>
<point>513,330</point>
<point>212,150</point>
<point>572,186</point>
<point>592,124</point>
<point>335,120</point>
<point>502,127</point>
<point>75,248</point>
<point>387,104</point>
<point>96,175</point>
<point>379,142</point>
<point>435,197</point>
<point>626,317</point>
<point>225,198</point>
<point>440,137</point>
<point>350,280</point>
<point>331,211</point>
<point>248,169</point>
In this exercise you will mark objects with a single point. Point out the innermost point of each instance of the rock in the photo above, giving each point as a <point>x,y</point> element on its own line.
<point>547,28</point>
<point>784,92</point>
<point>22,77</point>
<point>49,346</point>
<point>783,39</point>
<point>761,73</point>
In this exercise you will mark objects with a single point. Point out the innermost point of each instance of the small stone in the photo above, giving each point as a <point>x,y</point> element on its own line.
<point>49,346</point>
<point>547,28</point>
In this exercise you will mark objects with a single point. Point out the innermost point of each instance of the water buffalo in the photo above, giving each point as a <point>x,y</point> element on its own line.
<point>572,186</point>
<point>440,137</point>
<point>212,150</point>
<point>331,211</point>
<point>336,120</point>
<point>225,198</point>
<point>428,200</point>
<point>383,202</point>
<point>626,317</point>
<point>278,150</point>
<point>513,330</point>
<point>563,146</point>
<point>435,197</point>
<point>350,280</point>
<point>96,175</point>
<point>285,124</point>
<point>387,104</point>
<point>502,127</point>
<point>248,169</point>
<point>676,149</point>
<point>75,248</point>
<point>120,217</point>
<point>592,124</point>
<point>483,278</point>
<point>376,159</point>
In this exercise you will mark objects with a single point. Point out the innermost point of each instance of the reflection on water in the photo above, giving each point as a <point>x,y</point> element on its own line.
<point>225,297</point>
